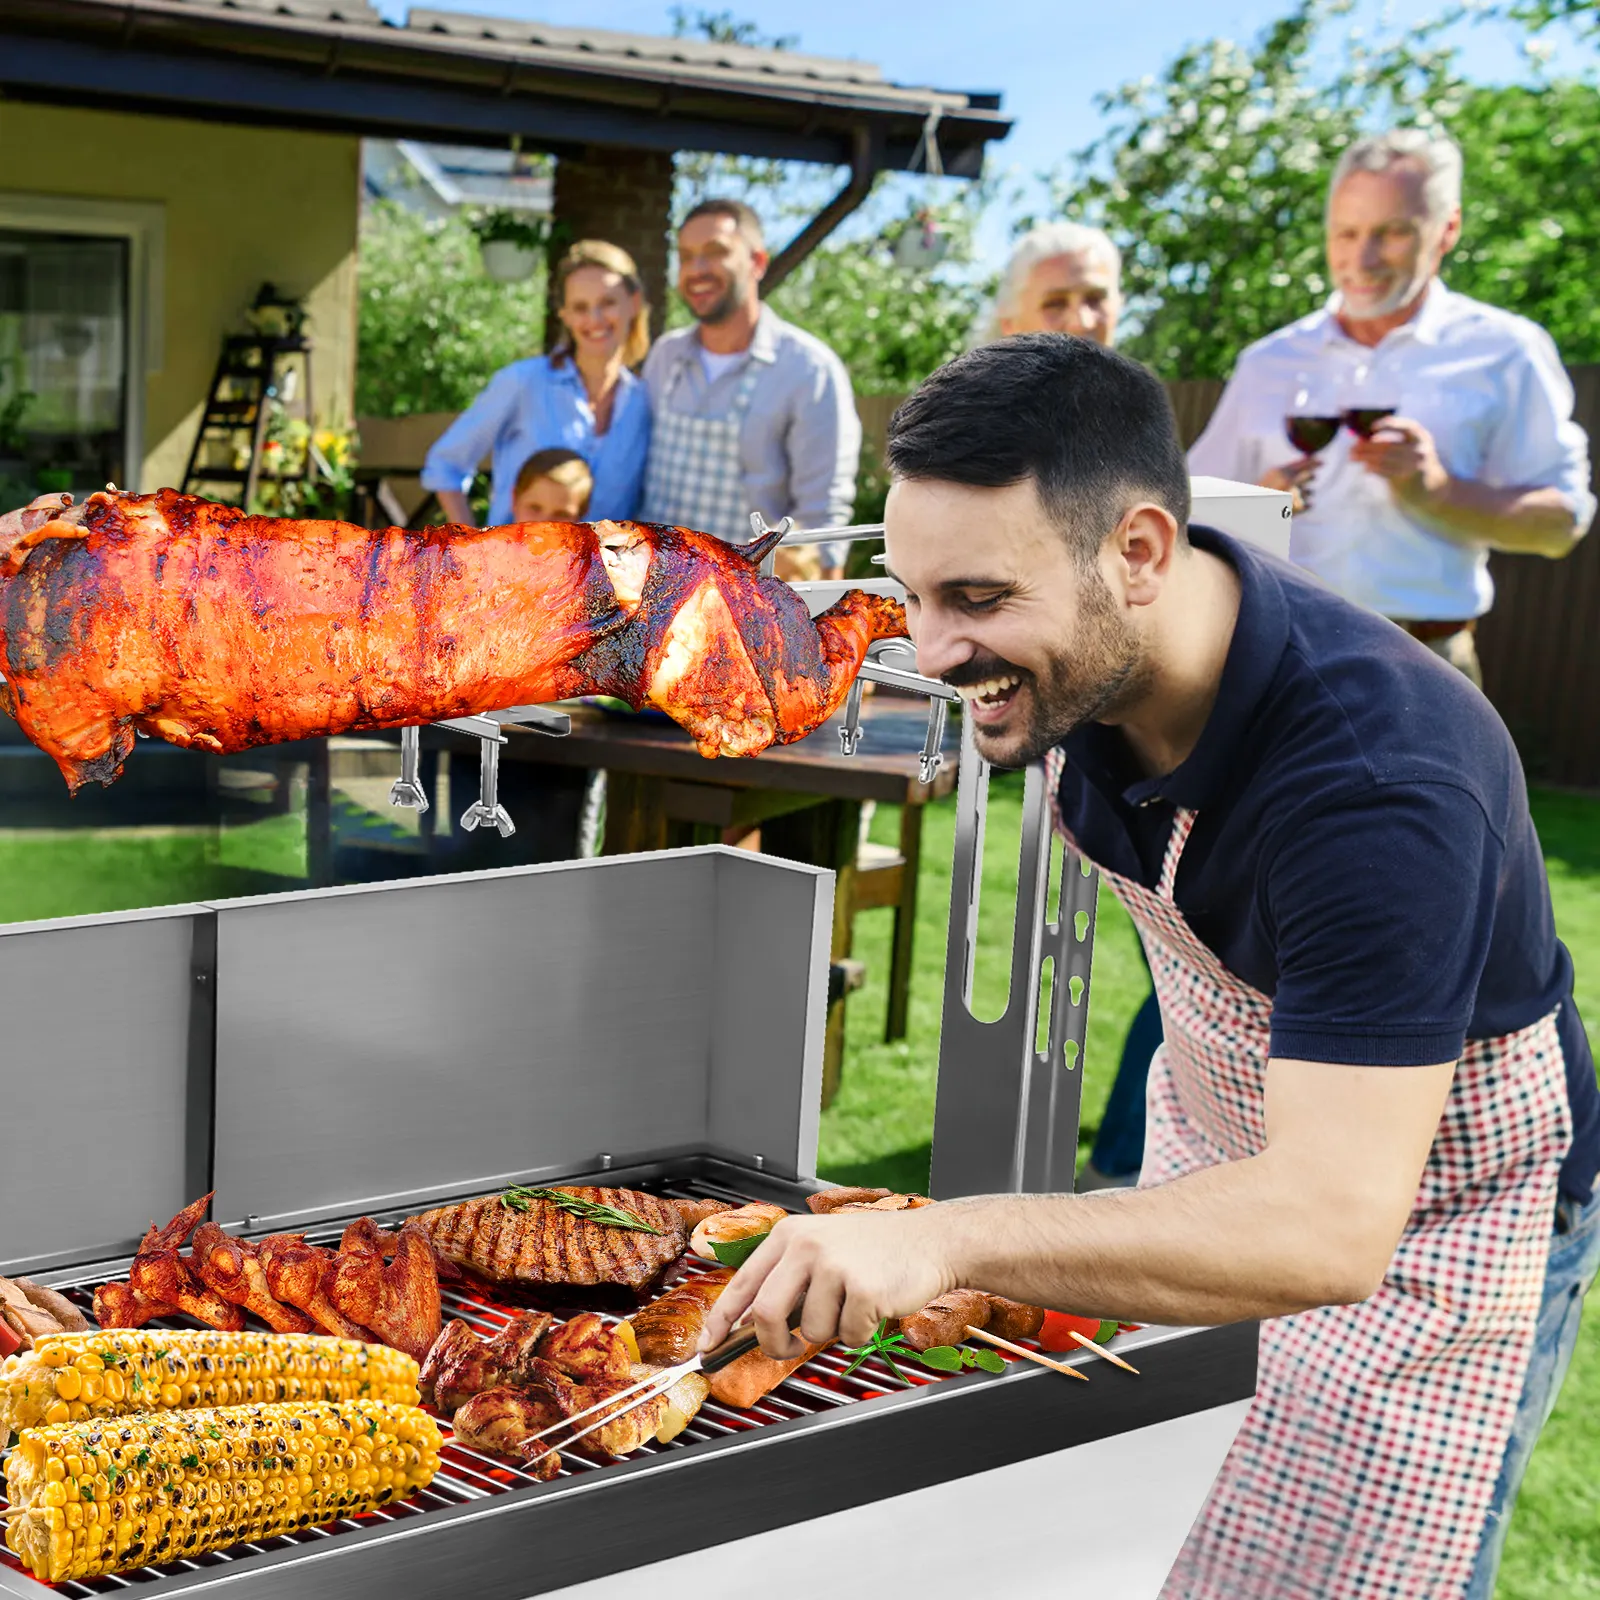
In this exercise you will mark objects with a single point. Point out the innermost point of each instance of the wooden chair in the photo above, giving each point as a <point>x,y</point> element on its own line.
<point>886,877</point>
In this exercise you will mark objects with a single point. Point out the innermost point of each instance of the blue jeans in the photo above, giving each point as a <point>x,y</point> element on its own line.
<point>1574,1259</point>
<point>1119,1146</point>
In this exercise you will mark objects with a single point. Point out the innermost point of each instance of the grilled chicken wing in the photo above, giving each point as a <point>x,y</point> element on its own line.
<point>160,1273</point>
<point>295,1273</point>
<point>120,1305</point>
<point>232,1268</point>
<point>398,1301</point>
<point>216,630</point>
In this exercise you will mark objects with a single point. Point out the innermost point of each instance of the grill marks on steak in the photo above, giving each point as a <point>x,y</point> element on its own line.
<point>548,1245</point>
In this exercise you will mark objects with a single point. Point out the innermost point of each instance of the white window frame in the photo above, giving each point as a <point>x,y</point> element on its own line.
<point>143,223</point>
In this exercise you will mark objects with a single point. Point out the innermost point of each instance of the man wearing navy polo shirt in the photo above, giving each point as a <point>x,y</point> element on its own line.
<point>1374,1123</point>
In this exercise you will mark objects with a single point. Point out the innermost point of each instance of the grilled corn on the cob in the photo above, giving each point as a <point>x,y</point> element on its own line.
<point>106,1496</point>
<point>69,1377</point>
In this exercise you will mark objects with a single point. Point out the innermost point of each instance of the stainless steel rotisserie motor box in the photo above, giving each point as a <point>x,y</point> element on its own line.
<point>650,1020</point>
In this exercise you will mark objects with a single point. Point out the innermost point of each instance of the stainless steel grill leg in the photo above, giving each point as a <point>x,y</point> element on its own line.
<point>1006,1114</point>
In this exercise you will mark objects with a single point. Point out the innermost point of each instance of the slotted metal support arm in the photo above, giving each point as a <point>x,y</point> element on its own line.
<point>1009,1091</point>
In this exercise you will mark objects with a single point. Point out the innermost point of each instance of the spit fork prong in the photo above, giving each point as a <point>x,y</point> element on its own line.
<point>408,790</point>
<point>486,811</point>
<point>932,758</point>
<point>850,732</point>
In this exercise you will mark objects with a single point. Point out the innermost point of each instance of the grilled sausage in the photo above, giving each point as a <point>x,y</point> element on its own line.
<point>945,1320</point>
<point>749,1379</point>
<point>832,1199</point>
<point>1011,1319</point>
<point>668,1330</point>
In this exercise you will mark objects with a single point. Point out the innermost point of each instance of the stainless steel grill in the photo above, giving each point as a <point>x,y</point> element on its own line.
<point>466,1476</point>
<point>652,1021</point>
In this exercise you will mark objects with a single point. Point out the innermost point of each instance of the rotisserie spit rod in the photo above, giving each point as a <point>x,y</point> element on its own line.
<point>172,616</point>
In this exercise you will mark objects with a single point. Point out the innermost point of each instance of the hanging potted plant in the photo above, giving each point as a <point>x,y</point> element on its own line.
<point>511,244</point>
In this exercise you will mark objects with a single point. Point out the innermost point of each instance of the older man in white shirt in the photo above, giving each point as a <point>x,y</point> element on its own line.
<point>1451,420</point>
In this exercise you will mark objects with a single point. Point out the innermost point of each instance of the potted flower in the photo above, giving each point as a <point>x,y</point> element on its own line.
<point>511,244</point>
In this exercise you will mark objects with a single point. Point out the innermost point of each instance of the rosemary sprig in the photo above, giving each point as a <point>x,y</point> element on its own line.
<point>518,1198</point>
<point>942,1358</point>
<point>888,1348</point>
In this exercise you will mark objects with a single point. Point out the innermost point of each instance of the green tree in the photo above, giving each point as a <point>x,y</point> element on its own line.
<point>1212,178</point>
<point>433,327</point>
<point>1530,223</point>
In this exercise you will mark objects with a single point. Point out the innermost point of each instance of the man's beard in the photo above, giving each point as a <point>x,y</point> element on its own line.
<point>1102,672</point>
<point>725,304</point>
<point>1401,295</point>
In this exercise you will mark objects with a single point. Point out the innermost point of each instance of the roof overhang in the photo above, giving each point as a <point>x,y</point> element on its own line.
<point>476,81</point>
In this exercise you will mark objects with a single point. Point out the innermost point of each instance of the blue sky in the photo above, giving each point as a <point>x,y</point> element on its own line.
<point>1048,59</point>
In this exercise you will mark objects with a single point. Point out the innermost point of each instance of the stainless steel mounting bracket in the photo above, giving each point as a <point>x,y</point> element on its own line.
<point>1009,1091</point>
<point>486,811</point>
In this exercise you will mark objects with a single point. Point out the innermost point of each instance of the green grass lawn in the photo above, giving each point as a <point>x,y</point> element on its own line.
<point>879,1128</point>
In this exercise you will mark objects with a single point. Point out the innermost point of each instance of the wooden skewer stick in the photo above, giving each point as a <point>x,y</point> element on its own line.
<point>1027,1355</point>
<point>1102,1352</point>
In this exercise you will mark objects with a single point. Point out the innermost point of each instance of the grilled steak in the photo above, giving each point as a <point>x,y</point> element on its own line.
<point>546,1245</point>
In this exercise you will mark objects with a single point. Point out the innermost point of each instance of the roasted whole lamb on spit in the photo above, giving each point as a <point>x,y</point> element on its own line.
<point>199,624</point>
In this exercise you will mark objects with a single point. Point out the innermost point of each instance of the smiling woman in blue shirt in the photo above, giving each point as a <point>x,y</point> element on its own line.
<point>582,396</point>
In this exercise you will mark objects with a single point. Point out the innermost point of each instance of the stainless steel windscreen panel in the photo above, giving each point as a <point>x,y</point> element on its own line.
<point>769,1011</point>
<point>97,1129</point>
<point>379,1044</point>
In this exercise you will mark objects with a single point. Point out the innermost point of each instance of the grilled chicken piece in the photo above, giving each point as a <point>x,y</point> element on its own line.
<point>67,1316</point>
<point>232,1268</point>
<point>120,1305</point>
<point>503,1420</point>
<point>205,626</point>
<point>295,1273</point>
<point>160,1273</point>
<point>460,1364</point>
<point>31,1311</point>
<point>547,1245</point>
<point>668,1330</point>
<point>398,1301</point>
<point>589,1349</point>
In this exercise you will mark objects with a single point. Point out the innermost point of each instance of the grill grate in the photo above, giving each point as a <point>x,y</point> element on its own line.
<point>467,1475</point>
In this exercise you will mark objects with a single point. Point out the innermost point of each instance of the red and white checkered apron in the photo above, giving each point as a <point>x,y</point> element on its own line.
<point>1366,1465</point>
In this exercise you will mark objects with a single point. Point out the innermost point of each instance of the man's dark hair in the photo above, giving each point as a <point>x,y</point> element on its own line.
<point>1094,431</point>
<point>744,219</point>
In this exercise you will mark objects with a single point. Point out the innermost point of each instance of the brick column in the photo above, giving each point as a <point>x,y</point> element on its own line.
<point>624,196</point>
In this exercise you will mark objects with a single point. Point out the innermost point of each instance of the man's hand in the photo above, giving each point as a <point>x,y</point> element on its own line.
<point>1293,480</point>
<point>1403,451</point>
<point>1534,521</point>
<point>853,1269</point>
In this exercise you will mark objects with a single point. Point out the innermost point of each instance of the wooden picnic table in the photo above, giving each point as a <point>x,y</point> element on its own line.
<point>805,798</point>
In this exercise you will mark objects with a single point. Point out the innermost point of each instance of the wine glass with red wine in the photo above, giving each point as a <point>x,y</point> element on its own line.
<point>1313,420</point>
<point>1366,420</point>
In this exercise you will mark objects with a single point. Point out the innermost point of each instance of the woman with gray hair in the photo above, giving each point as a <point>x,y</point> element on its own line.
<point>1062,277</point>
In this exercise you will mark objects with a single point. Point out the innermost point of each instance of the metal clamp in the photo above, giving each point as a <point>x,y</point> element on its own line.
<point>932,757</point>
<point>486,811</point>
<point>850,732</point>
<point>408,790</point>
<point>760,528</point>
